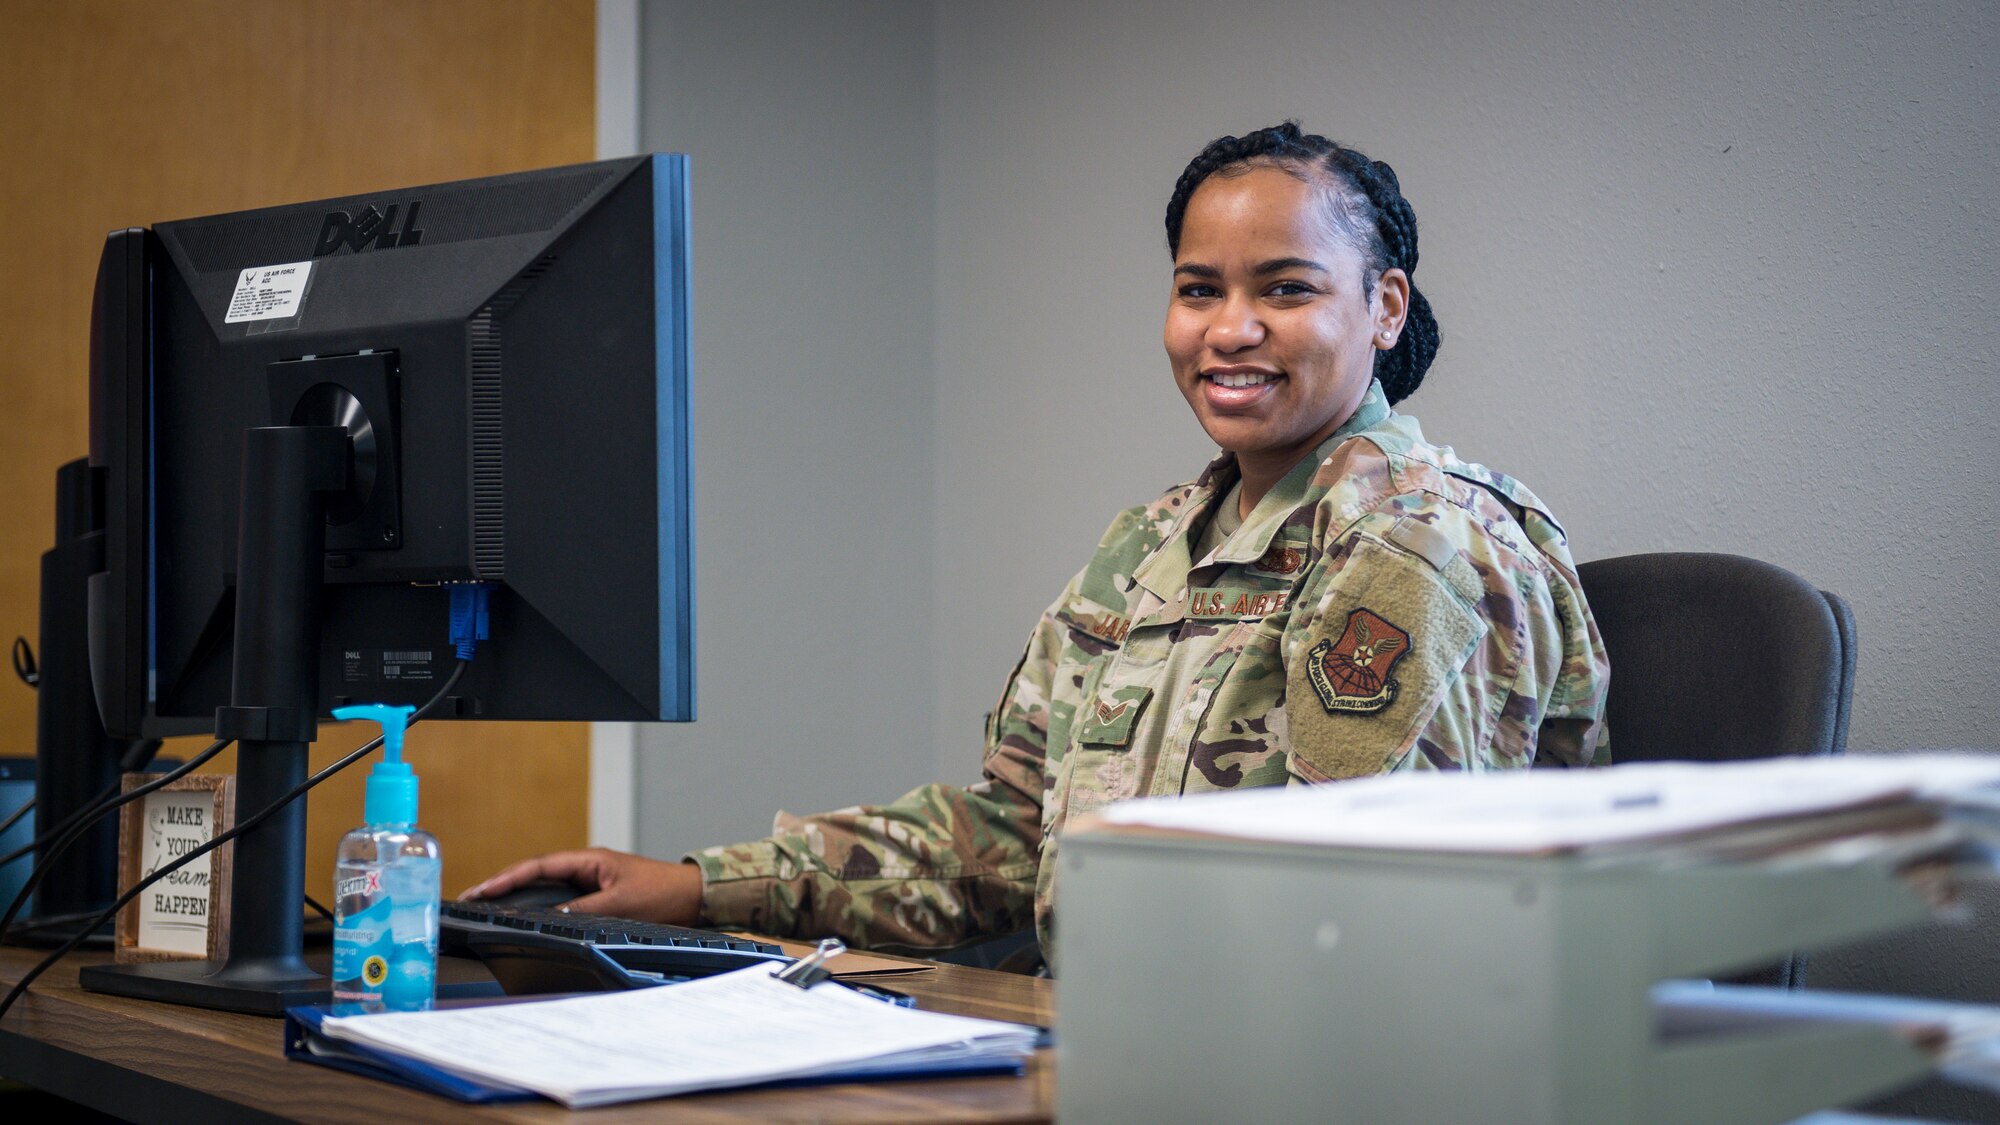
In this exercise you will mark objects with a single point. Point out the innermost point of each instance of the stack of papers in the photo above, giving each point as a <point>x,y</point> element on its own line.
<point>1756,804</point>
<point>737,1029</point>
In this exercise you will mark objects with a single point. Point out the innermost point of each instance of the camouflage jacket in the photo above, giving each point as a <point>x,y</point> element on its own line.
<point>1385,606</point>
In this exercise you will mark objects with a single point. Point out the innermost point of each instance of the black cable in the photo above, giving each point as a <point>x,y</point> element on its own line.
<point>262,815</point>
<point>138,755</point>
<point>82,822</point>
<point>12,819</point>
<point>31,926</point>
<point>314,905</point>
<point>136,758</point>
<point>61,826</point>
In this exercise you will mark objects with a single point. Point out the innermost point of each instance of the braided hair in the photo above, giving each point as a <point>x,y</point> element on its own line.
<point>1366,205</point>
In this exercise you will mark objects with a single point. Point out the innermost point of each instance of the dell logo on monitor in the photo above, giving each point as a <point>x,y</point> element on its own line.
<point>371,228</point>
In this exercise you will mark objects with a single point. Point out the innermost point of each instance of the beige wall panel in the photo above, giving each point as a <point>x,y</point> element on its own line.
<point>121,112</point>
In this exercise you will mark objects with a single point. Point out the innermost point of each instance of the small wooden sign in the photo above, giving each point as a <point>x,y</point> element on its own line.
<point>185,916</point>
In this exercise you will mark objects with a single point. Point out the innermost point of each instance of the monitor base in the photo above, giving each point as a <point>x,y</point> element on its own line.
<point>47,932</point>
<point>256,991</point>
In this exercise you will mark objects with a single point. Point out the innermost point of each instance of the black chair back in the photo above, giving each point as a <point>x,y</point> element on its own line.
<point>1719,657</point>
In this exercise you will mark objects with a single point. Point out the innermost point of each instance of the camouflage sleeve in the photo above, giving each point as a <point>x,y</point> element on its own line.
<point>1429,643</point>
<point>1572,731</point>
<point>940,866</point>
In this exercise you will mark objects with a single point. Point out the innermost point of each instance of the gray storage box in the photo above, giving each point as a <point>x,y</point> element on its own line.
<point>1202,979</point>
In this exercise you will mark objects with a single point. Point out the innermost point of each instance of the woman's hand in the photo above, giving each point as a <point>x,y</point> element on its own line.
<point>613,883</point>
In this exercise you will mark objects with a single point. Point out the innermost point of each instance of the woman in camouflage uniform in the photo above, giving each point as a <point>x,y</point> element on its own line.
<point>1332,597</point>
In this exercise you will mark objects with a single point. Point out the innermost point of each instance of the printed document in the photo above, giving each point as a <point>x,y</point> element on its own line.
<point>735,1029</point>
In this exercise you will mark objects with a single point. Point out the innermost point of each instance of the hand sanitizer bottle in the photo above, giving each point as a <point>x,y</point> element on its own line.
<point>386,888</point>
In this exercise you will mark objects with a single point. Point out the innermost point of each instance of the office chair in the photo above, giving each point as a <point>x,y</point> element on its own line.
<point>1721,658</point>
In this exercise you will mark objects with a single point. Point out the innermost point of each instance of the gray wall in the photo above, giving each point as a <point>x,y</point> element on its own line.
<point>808,128</point>
<point>1709,278</point>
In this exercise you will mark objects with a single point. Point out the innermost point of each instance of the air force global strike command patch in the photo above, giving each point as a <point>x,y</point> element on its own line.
<point>1352,674</point>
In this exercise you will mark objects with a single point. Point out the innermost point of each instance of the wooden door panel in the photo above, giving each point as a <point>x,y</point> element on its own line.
<point>130,112</point>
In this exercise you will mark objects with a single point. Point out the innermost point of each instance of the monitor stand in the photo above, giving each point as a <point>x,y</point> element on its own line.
<point>76,761</point>
<point>288,473</point>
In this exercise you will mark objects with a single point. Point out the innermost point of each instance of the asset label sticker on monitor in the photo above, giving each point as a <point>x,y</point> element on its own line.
<point>268,292</point>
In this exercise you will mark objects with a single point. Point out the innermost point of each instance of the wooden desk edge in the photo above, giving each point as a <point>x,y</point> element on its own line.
<point>140,1060</point>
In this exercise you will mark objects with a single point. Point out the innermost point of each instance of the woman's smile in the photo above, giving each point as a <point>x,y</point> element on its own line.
<point>1234,387</point>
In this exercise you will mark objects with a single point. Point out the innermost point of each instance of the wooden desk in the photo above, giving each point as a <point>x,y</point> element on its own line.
<point>146,1061</point>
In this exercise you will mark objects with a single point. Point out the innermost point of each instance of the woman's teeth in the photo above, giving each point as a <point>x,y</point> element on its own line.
<point>1244,379</point>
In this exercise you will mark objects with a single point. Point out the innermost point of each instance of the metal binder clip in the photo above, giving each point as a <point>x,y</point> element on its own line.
<point>811,969</point>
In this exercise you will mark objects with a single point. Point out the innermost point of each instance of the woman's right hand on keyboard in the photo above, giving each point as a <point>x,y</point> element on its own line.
<point>613,883</point>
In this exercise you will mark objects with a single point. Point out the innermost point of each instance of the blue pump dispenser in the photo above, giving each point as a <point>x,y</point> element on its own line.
<point>386,886</point>
<point>392,785</point>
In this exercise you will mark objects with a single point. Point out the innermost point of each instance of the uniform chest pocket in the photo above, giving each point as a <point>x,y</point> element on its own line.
<point>1108,717</point>
<point>1241,738</point>
<point>1094,767</point>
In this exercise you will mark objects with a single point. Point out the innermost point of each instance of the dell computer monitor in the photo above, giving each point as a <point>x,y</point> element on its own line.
<point>502,365</point>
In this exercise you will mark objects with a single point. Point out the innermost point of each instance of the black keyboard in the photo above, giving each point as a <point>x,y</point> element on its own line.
<point>540,949</point>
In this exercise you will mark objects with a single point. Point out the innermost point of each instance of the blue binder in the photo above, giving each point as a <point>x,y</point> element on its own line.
<point>304,1041</point>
